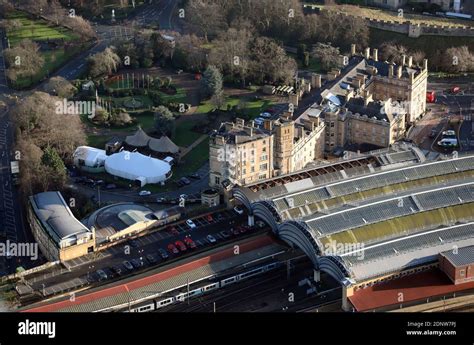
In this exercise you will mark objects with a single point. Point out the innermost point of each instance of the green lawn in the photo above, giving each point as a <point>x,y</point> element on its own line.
<point>183,134</point>
<point>97,141</point>
<point>53,59</point>
<point>252,107</point>
<point>37,30</point>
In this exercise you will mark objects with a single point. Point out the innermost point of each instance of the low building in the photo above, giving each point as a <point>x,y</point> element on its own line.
<point>458,264</point>
<point>59,235</point>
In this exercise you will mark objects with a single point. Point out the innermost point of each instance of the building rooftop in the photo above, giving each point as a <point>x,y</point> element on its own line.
<point>460,256</point>
<point>238,133</point>
<point>57,218</point>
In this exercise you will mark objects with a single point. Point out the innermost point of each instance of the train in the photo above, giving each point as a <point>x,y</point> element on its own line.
<point>183,296</point>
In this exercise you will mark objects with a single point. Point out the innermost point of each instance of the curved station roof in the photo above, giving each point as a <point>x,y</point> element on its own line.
<point>374,216</point>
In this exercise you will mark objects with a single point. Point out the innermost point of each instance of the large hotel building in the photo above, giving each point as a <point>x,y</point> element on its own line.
<point>367,104</point>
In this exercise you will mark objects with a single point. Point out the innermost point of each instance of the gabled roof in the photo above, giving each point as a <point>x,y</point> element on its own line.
<point>163,144</point>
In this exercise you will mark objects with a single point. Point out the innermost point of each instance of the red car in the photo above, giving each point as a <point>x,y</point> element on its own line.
<point>190,243</point>
<point>181,246</point>
<point>431,97</point>
<point>174,231</point>
<point>172,249</point>
<point>209,218</point>
<point>455,89</point>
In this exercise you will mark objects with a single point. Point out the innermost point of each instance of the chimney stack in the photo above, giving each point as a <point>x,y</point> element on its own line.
<point>410,61</point>
<point>399,72</point>
<point>390,71</point>
<point>425,64</point>
<point>367,53</point>
<point>376,54</point>
<point>353,49</point>
<point>404,60</point>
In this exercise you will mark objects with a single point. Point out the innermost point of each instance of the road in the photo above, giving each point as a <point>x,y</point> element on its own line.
<point>165,11</point>
<point>448,106</point>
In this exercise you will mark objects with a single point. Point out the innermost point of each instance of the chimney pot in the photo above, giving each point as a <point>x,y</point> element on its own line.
<point>404,60</point>
<point>353,49</point>
<point>367,53</point>
<point>410,61</point>
<point>376,54</point>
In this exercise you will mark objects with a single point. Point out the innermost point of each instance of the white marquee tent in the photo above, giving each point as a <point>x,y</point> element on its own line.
<point>137,167</point>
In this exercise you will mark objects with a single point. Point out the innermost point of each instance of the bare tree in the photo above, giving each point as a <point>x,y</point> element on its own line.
<point>103,63</point>
<point>23,60</point>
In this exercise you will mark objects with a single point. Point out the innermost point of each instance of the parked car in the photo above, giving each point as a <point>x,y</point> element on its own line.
<point>211,239</point>
<point>225,234</point>
<point>195,176</point>
<point>181,246</point>
<point>191,224</point>
<point>117,270</point>
<point>102,275</point>
<point>235,231</point>
<point>137,263</point>
<point>239,210</point>
<point>260,224</point>
<point>209,218</point>
<point>179,183</point>
<point>185,180</point>
<point>164,255</point>
<point>128,265</point>
<point>433,133</point>
<point>266,115</point>
<point>455,89</point>
<point>242,229</point>
<point>220,216</point>
<point>190,243</point>
<point>174,231</point>
<point>172,249</point>
<point>133,243</point>
<point>162,199</point>
<point>144,193</point>
<point>151,259</point>
<point>110,186</point>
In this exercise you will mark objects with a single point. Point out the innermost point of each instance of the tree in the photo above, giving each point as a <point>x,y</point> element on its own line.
<point>270,62</point>
<point>206,17</point>
<point>55,166</point>
<point>231,52</point>
<point>23,60</point>
<point>392,52</point>
<point>457,59</point>
<point>60,87</point>
<point>38,118</point>
<point>326,54</point>
<point>164,120</point>
<point>103,63</point>
<point>211,81</point>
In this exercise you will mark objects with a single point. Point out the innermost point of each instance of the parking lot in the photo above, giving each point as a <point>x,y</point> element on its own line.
<point>82,271</point>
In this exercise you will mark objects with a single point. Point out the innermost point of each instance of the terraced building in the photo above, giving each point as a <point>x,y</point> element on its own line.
<point>367,224</point>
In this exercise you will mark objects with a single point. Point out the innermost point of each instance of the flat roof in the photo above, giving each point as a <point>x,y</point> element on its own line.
<point>460,256</point>
<point>412,287</point>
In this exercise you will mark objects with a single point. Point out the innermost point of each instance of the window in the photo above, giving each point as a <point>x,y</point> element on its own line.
<point>217,180</point>
<point>332,123</point>
<point>244,171</point>
<point>264,166</point>
<point>264,158</point>
<point>262,177</point>
<point>252,169</point>
<point>462,273</point>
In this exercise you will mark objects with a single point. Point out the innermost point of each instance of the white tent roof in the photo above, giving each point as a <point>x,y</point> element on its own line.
<point>90,155</point>
<point>134,165</point>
